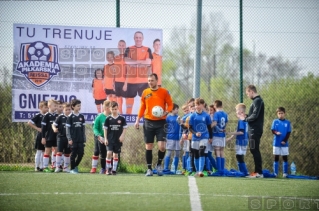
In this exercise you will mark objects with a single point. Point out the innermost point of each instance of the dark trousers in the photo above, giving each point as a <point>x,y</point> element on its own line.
<point>100,149</point>
<point>254,142</point>
<point>76,154</point>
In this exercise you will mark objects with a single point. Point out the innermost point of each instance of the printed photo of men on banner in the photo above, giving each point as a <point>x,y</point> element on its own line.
<point>92,64</point>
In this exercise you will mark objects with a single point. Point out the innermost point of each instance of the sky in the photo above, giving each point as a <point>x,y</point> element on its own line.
<point>287,27</point>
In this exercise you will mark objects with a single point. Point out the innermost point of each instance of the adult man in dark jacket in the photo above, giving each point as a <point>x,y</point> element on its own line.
<point>255,119</point>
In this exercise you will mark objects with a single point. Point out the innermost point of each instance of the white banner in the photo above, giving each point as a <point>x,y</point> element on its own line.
<point>88,63</point>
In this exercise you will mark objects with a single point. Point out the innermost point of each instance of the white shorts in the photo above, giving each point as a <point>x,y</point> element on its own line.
<point>280,150</point>
<point>210,147</point>
<point>173,144</point>
<point>219,141</point>
<point>197,144</point>
<point>241,150</point>
<point>186,146</point>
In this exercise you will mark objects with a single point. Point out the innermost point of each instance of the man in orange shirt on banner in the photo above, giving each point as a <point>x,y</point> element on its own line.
<point>138,59</point>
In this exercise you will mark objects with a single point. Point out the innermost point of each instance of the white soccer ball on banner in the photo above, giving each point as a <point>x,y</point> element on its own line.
<point>157,111</point>
<point>39,51</point>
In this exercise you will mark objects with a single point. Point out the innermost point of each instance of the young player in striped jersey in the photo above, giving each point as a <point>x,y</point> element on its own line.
<point>281,128</point>
<point>75,132</point>
<point>35,123</point>
<point>98,89</point>
<point>62,142</point>
<point>48,135</point>
<point>172,138</point>
<point>220,120</point>
<point>241,139</point>
<point>200,126</point>
<point>100,148</point>
<point>114,134</point>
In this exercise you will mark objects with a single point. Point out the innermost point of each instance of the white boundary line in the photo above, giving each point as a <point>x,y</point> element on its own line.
<point>132,193</point>
<point>194,195</point>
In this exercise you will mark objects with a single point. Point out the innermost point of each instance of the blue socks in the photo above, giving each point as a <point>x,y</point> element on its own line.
<point>222,166</point>
<point>276,168</point>
<point>201,164</point>
<point>285,168</point>
<point>212,160</point>
<point>167,160</point>
<point>208,164</point>
<point>196,165</point>
<point>243,168</point>
<point>176,160</point>
<point>219,163</point>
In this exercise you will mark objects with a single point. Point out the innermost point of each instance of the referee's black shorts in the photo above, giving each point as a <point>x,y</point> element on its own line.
<point>154,128</point>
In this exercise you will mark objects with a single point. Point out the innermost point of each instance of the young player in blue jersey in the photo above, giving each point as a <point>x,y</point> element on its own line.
<point>35,123</point>
<point>281,128</point>
<point>75,132</point>
<point>62,142</point>
<point>172,138</point>
<point>241,139</point>
<point>200,126</point>
<point>220,120</point>
<point>187,138</point>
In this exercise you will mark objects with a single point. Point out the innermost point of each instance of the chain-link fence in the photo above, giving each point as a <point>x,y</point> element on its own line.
<point>280,57</point>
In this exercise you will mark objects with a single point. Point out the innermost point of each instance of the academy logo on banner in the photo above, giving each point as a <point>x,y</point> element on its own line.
<point>38,62</point>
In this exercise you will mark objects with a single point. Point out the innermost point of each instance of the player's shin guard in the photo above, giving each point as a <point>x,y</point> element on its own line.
<point>285,168</point>
<point>201,164</point>
<point>244,168</point>
<point>196,161</point>
<point>160,157</point>
<point>218,161</point>
<point>37,158</point>
<point>45,161</point>
<point>188,164</point>
<point>94,161</point>
<point>167,160</point>
<point>239,167</point>
<point>115,163</point>
<point>276,168</point>
<point>41,160</point>
<point>212,160</point>
<point>58,160</point>
<point>222,164</point>
<point>176,160</point>
<point>208,164</point>
<point>66,161</point>
<point>184,162</point>
<point>53,159</point>
<point>108,163</point>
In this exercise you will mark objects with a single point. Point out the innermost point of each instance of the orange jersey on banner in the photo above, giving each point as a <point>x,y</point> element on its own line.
<point>150,98</point>
<point>98,89</point>
<point>137,73</point>
<point>110,71</point>
<point>157,66</point>
<point>119,61</point>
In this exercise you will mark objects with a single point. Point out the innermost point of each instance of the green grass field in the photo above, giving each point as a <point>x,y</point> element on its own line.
<point>52,191</point>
